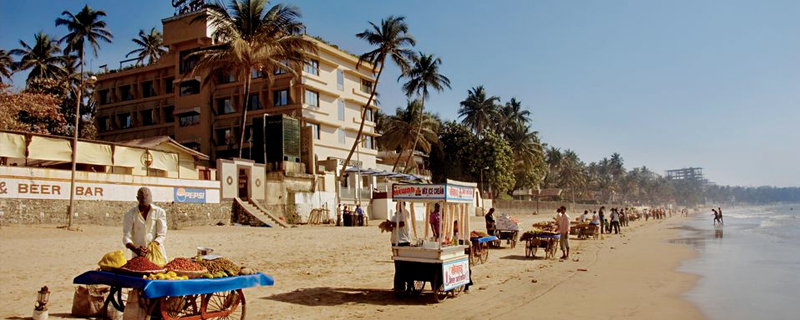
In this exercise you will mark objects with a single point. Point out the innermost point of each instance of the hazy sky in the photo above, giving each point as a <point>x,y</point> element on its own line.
<point>667,84</point>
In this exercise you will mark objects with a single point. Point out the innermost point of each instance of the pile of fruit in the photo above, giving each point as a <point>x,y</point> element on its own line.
<point>183,264</point>
<point>478,234</point>
<point>218,268</point>
<point>170,275</point>
<point>545,226</point>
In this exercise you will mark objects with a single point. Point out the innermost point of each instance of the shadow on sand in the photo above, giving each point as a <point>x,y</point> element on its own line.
<point>326,296</point>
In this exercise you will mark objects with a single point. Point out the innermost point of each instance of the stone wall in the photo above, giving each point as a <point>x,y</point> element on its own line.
<point>109,213</point>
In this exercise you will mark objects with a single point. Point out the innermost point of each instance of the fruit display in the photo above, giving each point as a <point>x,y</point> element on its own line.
<point>218,265</point>
<point>545,226</point>
<point>169,275</point>
<point>112,260</point>
<point>183,264</point>
<point>478,234</point>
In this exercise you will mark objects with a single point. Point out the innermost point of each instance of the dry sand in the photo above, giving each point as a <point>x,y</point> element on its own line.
<point>324,272</point>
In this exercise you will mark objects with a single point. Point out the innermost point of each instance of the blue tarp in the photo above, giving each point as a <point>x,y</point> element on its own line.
<point>174,288</point>
<point>484,239</point>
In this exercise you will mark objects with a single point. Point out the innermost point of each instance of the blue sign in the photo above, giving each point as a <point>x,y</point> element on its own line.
<point>190,195</point>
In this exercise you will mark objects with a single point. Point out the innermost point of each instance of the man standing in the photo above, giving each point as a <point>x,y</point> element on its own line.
<point>143,224</point>
<point>602,220</point>
<point>614,221</point>
<point>563,230</point>
<point>719,210</point>
<point>435,219</point>
<point>399,226</point>
<point>360,215</point>
<point>490,222</point>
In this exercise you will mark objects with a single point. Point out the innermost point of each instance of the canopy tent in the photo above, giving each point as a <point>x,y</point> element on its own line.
<point>454,200</point>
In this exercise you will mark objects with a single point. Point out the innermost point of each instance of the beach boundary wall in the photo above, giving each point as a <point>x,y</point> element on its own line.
<point>41,196</point>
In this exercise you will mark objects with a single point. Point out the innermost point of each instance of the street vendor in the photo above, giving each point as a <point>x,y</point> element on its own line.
<point>143,224</point>
<point>435,220</point>
<point>563,229</point>
<point>490,222</point>
<point>399,227</point>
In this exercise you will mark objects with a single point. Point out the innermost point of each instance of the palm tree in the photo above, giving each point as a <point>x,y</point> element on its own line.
<point>529,164</point>
<point>391,39</point>
<point>477,110</point>
<point>399,129</point>
<point>253,37</point>
<point>423,74</point>
<point>6,66</point>
<point>572,172</point>
<point>43,58</point>
<point>512,115</point>
<point>86,26</point>
<point>151,46</point>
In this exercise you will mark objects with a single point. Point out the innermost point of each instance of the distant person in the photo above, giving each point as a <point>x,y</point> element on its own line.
<point>595,219</point>
<point>360,214</point>
<point>716,216</point>
<point>614,221</point>
<point>490,226</point>
<point>584,216</point>
<point>563,230</point>
<point>399,227</point>
<point>435,220</point>
<point>602,219</point>
<point>719,210</point>
<point>348,219</point>
<point>339,215</point>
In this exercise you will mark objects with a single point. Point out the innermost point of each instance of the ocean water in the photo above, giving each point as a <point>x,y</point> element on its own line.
<point>750,266</point>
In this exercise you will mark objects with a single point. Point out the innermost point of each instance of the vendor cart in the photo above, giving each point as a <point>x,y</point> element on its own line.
<point>507,228</point>
<point>193,299</point>
<point>443,262</point>
<point>479,250</point>
<point>545,241</point>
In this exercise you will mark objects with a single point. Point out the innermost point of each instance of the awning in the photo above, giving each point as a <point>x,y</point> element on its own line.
<point>12,145</point>
<point>53,149</point>
<point>94,153</point>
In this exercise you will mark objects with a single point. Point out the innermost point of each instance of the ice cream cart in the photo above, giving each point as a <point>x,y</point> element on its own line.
<point>441,261</point>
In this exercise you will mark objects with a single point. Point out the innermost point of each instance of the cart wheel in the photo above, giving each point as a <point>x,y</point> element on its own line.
<point>475,253</point>
<point>484,252</point>
<point>471,260</point>
<point>455,292</point>
<point>417,287</point>
<point>439,294</point>
<point>179,307</point>
<point>224,305</point>
<point>399,288</point>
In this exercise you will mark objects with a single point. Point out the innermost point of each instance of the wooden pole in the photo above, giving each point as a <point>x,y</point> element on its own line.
<point>425,219</point>
<point>414,220</point>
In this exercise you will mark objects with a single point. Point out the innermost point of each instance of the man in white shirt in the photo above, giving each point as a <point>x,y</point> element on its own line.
<point>399,227</point>
<point>563,230</point>
<point>143,224</point>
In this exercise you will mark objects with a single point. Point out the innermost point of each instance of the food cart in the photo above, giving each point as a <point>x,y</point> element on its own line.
<point>442,262</point>
<point>507,228</point>
<point>546,241</point>
<point>192,299</point>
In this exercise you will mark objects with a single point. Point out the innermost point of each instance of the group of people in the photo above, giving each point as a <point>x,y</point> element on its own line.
<point>351,218</point>
<point>659,213</point>
<point>717,216</point>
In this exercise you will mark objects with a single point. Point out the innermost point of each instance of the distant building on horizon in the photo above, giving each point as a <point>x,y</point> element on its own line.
<point>688,174</point>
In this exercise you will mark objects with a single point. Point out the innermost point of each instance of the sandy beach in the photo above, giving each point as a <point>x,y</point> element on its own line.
<point>344,273</point>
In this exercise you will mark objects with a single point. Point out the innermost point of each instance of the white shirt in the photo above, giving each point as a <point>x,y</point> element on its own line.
<point>141,232</point>
<point>399,234</point>
<point>563,224</point>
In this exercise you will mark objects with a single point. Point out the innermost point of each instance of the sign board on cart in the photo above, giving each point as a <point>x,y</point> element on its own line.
<point>448,192</point>
<point>455,274</point>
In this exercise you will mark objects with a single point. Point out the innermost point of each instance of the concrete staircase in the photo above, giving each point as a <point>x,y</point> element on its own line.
<point>260,213</point>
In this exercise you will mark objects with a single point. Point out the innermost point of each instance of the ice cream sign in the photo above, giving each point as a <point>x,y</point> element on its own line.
<point>418,191</point>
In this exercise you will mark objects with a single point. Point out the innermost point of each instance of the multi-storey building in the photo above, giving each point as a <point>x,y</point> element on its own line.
<point>167,98</point>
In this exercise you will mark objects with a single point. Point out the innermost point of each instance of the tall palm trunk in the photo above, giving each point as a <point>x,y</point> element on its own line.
<point>71,210</point>
<point>419,130</point>
<point>363,119</point>
<point>246,104</point>
<point>399,157</point>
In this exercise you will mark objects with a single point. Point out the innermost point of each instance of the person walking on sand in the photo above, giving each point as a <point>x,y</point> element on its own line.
<point>144,224</point>
<point>563,230</point>
<point>602,220</point>
<point>614,221</point>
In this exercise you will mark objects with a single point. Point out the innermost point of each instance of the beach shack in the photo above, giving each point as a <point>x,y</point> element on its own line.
<point>441,261</point>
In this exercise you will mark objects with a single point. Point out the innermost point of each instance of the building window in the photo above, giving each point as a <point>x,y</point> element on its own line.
<point>147,117</point>
<point>225,137</point>
<point>255,102</point>
<point>104,123</point>
<point>124,120</point>
<point>314,129</point>
<point>370,115</point>
<point>147,89</point>
<point>168,88</point>
<point>340,80</point>
<point>281,97</point>
<point>188,63</point>
<point>227,77</point>
<point>190,87</point>
<point>168,116</point>
<point>312,67</point>
<point>368,142</point>
<point>341,136</point>
<point>255,74</point>
<point>103,96</point>
<point>224,106</point>
<point>366,86</point>
<point>341,110</point>
<point>125,92</point>
<point>281,70</point>
<point>312,98</point>
<point>189,119</point>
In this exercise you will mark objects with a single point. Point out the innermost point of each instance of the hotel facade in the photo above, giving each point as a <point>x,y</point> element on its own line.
<point>167,98</point>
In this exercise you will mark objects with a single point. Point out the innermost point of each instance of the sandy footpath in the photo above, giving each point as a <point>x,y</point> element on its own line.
<point>325,272</point>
